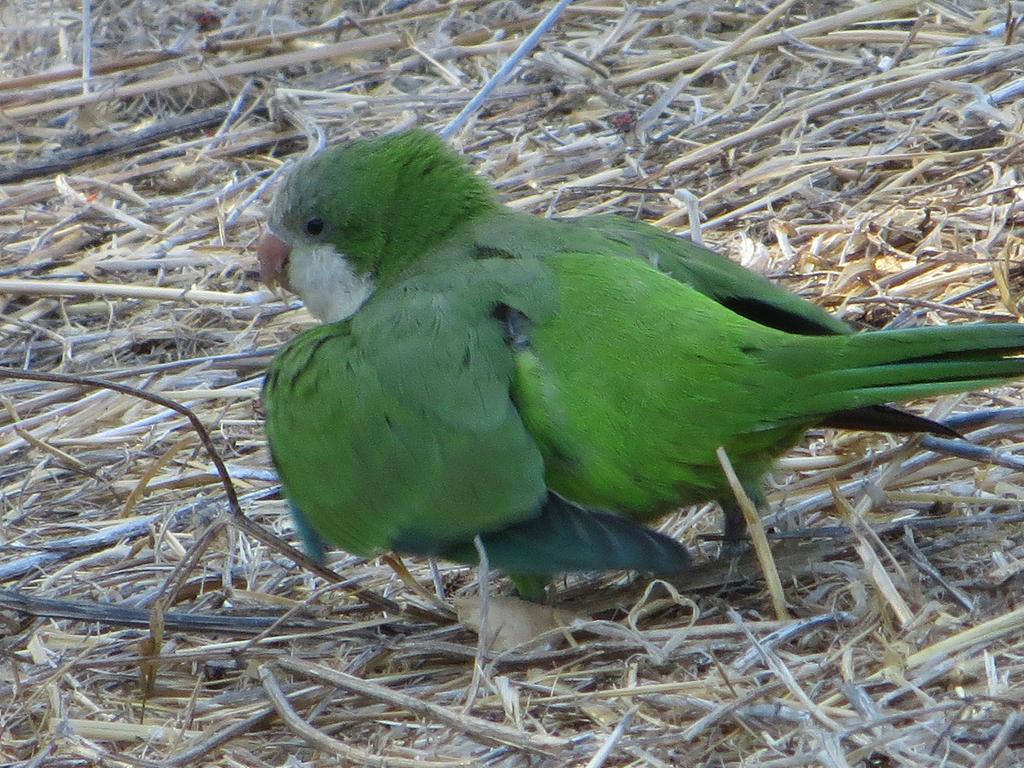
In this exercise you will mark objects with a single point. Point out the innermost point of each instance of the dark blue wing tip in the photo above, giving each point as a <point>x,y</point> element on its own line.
<point>565,537</point>
<point>311,541</point>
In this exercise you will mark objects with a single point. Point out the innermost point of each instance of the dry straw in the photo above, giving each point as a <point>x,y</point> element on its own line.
<point>864,153</point>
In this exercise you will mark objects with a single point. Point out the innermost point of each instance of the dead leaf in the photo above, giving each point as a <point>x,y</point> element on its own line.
<point>511,622</point>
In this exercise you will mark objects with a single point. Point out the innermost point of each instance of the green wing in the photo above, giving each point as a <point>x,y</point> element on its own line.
<point>745,292</point>
<point>736,288</point>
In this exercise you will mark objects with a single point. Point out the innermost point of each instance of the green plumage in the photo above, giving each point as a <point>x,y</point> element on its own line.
<point>549,385</point>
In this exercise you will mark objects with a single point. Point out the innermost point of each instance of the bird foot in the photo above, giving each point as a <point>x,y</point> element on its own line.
<point>733,548</point>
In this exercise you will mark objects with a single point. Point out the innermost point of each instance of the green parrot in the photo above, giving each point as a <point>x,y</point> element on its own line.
<point>548,386</point>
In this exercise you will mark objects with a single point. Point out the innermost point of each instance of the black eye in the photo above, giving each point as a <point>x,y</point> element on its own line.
<point>314,227</point>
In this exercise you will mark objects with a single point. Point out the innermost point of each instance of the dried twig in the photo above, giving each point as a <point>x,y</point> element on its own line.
<point>481,729</point>
<point>757,537</point>
<point>333,746</point>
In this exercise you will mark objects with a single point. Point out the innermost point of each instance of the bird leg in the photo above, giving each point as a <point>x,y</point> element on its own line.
<point>734,526</point>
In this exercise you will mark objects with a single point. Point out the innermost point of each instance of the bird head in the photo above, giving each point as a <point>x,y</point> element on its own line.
<point>354,217</point>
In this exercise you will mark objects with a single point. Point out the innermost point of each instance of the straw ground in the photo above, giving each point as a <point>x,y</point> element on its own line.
<point>865,154</point>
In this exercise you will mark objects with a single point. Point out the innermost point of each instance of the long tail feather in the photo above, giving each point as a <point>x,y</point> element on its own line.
<point>874,368</point>
<point>885,418</point>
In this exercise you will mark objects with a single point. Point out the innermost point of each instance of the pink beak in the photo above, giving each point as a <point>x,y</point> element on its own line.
<point>273,253</point>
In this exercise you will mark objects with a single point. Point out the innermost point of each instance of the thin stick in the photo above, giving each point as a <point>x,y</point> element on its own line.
<point>601,756</point>
<point>130,61</point>
<point>113,615</point>
<point>473,726</point>
<point>128,141</point>
<point>757,537</point>
<point>147,292</point>
<point>985,632</point>
<point>331,745</point>
<point>1014,723</point>
<point>505,70</point>
<point>86,46</point>
<point>483,633</point>
<point>198,751</point>
<point>868,546</point>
